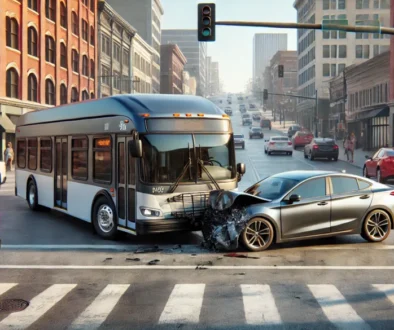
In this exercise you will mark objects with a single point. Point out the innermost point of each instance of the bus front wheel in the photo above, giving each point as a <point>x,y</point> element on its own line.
<point>104,218</point>
<point>32,198</point>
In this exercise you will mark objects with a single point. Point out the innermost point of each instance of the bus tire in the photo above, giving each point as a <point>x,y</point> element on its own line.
<point>32,195</point>
<point>104,218</point>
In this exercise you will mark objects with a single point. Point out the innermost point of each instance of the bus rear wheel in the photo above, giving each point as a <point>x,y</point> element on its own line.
<point>104,218</point>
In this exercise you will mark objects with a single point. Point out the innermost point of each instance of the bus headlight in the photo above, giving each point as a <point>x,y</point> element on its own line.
<point>150,212</point>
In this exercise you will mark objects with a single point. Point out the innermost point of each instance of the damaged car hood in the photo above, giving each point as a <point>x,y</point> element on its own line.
<point>225,199</point>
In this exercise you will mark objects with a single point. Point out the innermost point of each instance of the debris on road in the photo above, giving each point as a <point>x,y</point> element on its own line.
<point>239,274</point>
<point>107,259</point>
<point>201,267</point>
<point>149,249</point>
<point>133,259</point>
<point>153,262</point>
<point>13,305</point>
<point>242,256</point>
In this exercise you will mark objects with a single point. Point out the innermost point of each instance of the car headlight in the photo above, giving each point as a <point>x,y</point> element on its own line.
<point>148,212</point>
<point>224,202</point>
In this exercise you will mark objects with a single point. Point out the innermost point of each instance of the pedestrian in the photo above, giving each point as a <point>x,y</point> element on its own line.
<point>352,146</point>
<point>346,142</point>
<point>9,156</point>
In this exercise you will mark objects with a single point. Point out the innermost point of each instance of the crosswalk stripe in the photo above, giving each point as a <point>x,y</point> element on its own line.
<point>259,305</point>
<point>387,289</point>
<point>336,308</point>
<point>97,312</point>
<point>184,304</point>
<point>39,305</point>
<point>4,287</point>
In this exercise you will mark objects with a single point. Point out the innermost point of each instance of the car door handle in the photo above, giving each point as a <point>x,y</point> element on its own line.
<point>322,203</point>
<point>365,197</point>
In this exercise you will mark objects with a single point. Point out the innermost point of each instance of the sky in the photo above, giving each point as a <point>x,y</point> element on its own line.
<point>233,48</point>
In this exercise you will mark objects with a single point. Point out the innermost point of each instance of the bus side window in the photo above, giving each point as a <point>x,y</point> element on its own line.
<point>32,154</point>
<point>102,159</point>
<point>79,157</point>
<point>21,151</point>
<point>45,155</point>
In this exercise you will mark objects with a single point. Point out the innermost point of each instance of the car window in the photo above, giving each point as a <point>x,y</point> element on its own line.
<point>363,184</point>
<point>342,185</point>
<point>390,153</point>
<point>239,136</point>
<point>381,153</point>
<point>272,187</point>
<point>311,189</point>
<point>280,139</point>
<point>377,153</point>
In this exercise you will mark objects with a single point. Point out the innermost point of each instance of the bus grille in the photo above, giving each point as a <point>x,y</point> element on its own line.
<point>189,206</point>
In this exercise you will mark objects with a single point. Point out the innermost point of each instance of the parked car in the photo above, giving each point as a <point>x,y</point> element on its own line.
<point>300,205</point>
<point>301,139</point>
<point>265,123</point>
<point>228,111</point>
<point>321,148</point>
<point>380,165</point>
<point>255,131</point>
<point>246,119</point>
<point>256,116</point>
<point>278,144</point>
<point>239,141</point>
<point>293,129</point>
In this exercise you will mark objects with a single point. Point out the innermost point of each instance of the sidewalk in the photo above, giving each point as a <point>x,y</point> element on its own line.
<point>359,155</point>
<point>279,127</point>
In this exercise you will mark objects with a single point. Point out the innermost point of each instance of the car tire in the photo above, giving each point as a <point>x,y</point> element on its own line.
<point>266,238</point>
<point>365,173</point>
<point>269,153</point>
<point>305,155</point>
<point>290,153</point>
<point>383,221</point>
<point>105,224</point>
<point>32,196</point>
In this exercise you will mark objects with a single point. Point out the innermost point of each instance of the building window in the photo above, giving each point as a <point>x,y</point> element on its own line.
<point>126,58</point>
<point>85,28</point>
<point>326,51</point>
<point>359,51</point>
<point>32,89</point>
<point>32,4</point>
<point>63,15</point>
<point>85,66</point>
<point>105,75</point>
<point>333,70</point>
<point>362,4</point>
<point>79,156</point>
<point>117,80</point>
<point>12,33</point>
<point>32,154</point>
<point>341,67</point>
<point>45,155</point>
<point>74,95</point>
<point>50,49</point>
<point>85,2</point>
<point>326,70</point>
<point>74,23</point>
<point>92,69</point>
<point>50,9</point>
<point>341,4</point>
<point>342,51</point>
<point>333,51</point>
<point>85,95</point>
<point>12,83</point>
<point>21,153</point>
<point>63,56</point>
<point>75,60</point>
<point>91,96</point>
<point>92,35</point>
<point>116,53</point>
<point>326,4</point>
<point>32,46</point>
<point>50,92</point>
<point>92,5</point>
<point>63,94</point>
<point>105,45</point>
<point>384,4</point>
<point>102,160</point>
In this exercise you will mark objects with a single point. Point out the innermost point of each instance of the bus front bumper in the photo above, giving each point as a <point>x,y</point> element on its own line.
<point>145,227</point>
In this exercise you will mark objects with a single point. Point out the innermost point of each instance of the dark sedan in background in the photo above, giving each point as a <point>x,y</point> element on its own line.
<point>239,141</point>
<point>256,132</point>
<point>322,148</point>
<point>300,205</point>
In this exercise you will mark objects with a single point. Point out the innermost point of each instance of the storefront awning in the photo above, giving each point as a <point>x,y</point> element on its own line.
<point>382,112</point>
<point>6,125</point>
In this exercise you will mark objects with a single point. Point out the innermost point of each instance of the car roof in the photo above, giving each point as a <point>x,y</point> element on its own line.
<point>303,175</point>
<point>279,136</point>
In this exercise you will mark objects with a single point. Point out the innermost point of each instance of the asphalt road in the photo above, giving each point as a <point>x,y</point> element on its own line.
<point>74,280</point>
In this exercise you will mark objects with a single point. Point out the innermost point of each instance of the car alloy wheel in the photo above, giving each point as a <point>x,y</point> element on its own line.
<point>258,234</point>
<point>377,226</point>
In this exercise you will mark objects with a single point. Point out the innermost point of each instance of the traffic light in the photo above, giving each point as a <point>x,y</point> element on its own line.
<point>265,94</point>
<point>206,21</point>
<point>280,71</point>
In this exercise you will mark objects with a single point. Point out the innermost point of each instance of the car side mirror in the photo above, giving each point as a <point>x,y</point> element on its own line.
<point>135,148</point>
<point>294,198</point>
<point>368,157</point>
<point>241,168</point>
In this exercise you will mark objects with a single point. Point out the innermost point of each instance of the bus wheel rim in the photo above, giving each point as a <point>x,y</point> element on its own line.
<point>32,195</point>
<point>105,218</point>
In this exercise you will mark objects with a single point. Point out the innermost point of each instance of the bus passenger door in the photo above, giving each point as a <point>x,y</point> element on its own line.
<point>61,172</point>
<point>131,193</point>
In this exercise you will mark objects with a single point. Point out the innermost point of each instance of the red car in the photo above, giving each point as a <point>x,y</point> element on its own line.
<point>301,139</point>
<point>380,166</point>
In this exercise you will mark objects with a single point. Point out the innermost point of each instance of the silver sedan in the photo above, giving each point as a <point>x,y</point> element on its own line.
<point>301,205</point>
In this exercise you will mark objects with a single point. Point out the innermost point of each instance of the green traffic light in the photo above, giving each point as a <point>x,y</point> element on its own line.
<point>206,32</point>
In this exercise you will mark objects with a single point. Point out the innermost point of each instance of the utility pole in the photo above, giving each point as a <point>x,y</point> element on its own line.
<point>316,114</point>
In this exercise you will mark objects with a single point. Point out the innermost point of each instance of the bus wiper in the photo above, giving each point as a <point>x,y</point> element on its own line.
<point>179,178</point>
<point>199,161</point>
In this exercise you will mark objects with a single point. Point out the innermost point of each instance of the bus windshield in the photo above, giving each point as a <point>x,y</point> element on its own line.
<point>165,156</point>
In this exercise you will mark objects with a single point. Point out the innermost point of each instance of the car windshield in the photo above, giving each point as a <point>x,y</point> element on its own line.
<point>266,122</point>
<point>325,141</point>
<point>272,187</point>
<point>256,129</point>
<point>166,155</point>
<point>238,136</point>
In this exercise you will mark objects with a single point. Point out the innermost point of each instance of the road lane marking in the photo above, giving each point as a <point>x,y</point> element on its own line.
<point>184,304</point>
<point>4,287</point>
<point>259,305</point>
<point>387,289</point>
<point>336,308</point>
<point>39,305</point>
<point>193,267</point>
<point>97,312</point>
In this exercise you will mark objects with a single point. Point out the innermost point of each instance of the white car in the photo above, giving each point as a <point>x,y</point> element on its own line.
<point>278,144</point>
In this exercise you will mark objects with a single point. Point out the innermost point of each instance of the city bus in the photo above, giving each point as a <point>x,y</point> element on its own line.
<point>140,164</point>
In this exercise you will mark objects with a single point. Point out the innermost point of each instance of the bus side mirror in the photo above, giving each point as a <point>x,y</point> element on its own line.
<point>135,147</point>
<point>241,169</point>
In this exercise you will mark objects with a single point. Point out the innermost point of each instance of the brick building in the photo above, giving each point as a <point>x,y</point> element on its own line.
<point>48,56</point>
<point>172,65</point>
